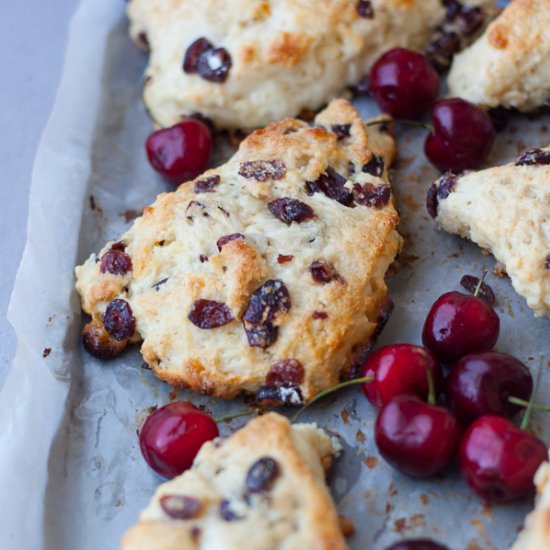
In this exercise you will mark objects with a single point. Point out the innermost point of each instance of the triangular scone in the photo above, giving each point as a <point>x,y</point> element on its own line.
<point>263,276</point>
<point>244,65</point>
<point>506,210</point>
<point>262,488</point>
<point>509,65</point>
<point>536,533</point>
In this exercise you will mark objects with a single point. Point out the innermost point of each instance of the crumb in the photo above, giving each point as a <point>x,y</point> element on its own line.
<point>46,352</point>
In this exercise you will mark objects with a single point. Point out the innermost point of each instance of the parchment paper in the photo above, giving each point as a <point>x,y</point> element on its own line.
<point>70,468</point>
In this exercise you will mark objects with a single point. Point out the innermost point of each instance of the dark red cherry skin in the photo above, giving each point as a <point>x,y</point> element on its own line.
<point>172,436</point>
<point>457,325</point>
<point>417,544</point>
<point>481,383</point>
<point>499,460</point>
<point>462,136</point>
<point>181,152</point>
<point>398,369</point>
<point>403,83</point>
<point>416,438</point>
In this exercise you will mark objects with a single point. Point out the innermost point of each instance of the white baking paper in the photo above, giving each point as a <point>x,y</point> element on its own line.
<point>71,472</point>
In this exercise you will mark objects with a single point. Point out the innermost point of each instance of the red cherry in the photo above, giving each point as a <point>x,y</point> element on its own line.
<point>498,460</point>
<point>416,438</point>
<point>417,544</point>
<point>399,369</point>
<point>481,383</point>
<point>172,436</point>
<point>462,137</point>
<point>181,152</point>
<point>457,325</point>
<point>403,83</point>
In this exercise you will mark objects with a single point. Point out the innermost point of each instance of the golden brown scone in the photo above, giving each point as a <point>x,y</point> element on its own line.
<point>506,210</point>
<point>263,488</point>
<point>509,65</point>
<point>250,62</point>
<point>272,281</point>
<point>536,534</point>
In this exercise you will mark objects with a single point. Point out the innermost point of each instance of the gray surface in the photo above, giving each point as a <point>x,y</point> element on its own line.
<point>33,37</point>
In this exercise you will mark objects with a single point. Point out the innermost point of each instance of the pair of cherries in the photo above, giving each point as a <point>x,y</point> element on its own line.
<point>402,82</point>
<point>420,438</point>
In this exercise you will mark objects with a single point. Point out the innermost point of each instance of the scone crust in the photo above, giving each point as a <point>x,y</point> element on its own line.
<point>506,210</point>
<point>175,243</point>
<point>286,55</point>
<point>536,533</point>
<point>296,513</point>
<point>509,65</point>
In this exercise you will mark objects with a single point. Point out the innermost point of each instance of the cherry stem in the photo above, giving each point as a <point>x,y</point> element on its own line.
<point>233,416</point>
<point>332,389</point>
<point>523,403</point>
<point>406,122</point>
<point>527,415</point>
<point>431,385</point>
<point>478,287</point>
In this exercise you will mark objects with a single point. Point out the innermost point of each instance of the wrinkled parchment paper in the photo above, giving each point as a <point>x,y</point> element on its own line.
<point>70,468</point>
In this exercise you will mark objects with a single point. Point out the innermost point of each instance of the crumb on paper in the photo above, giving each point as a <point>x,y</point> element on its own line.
<point>371,462</point>
<point>131,215</point>
<point>46,352</point>
<point>360,436</point>
<point>346,526</point>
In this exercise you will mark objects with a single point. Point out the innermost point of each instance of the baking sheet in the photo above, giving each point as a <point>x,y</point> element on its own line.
<point>70,467</point>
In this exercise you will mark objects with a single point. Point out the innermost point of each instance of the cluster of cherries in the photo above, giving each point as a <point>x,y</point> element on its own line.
<point>402,82</point>
<point>484,390</point>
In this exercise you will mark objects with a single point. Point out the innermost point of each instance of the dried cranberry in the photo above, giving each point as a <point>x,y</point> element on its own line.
<point>193,54</point>
<point>341,130</point>
<point>440,50</point>
<point>364,9</point>
<point>143,40</point>
<point>268,396</point>
<point>453,8</point>
<point>319,315</point>
<point>206,185</point>
<point>368,194</point>
<point>209,314</point>
<point>119,320</point>
<point>324,272</point>
<point>263,170</point>
<point>262,475</point>
<point>118,246</point>
<point>99,343</point>
<point>291,210</point>
<point>228,238</point>
<point>331,184</point>
<point>203,258</point>
<point>265,304</point>
<point>286,373</point>
<point>116,262</point>
<point>212,64</point>
<point>547,262</point>
<point>375,166</point>
<point>485,292</point>
<point>226,512</point>
<point>180,506</point>
<point>439,189</point>
<point>283,259</point>
<point>471,20</point>
<point>534,157</point>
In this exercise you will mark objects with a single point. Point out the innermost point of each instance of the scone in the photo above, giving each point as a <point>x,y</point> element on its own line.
<point>509,65</point>
<point>263,488</point>
<point>264,276</point>
<point>506,210</point>
<point>246,63</point>
<point>536,533</point>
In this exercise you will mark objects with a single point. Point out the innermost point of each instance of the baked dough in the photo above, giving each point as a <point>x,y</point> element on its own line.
<point>231,508</point>
<point>263,60</point>
<point>509,65</point>
<point>266,275</point>
<point>506,210</point>
<point>536,533</point>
